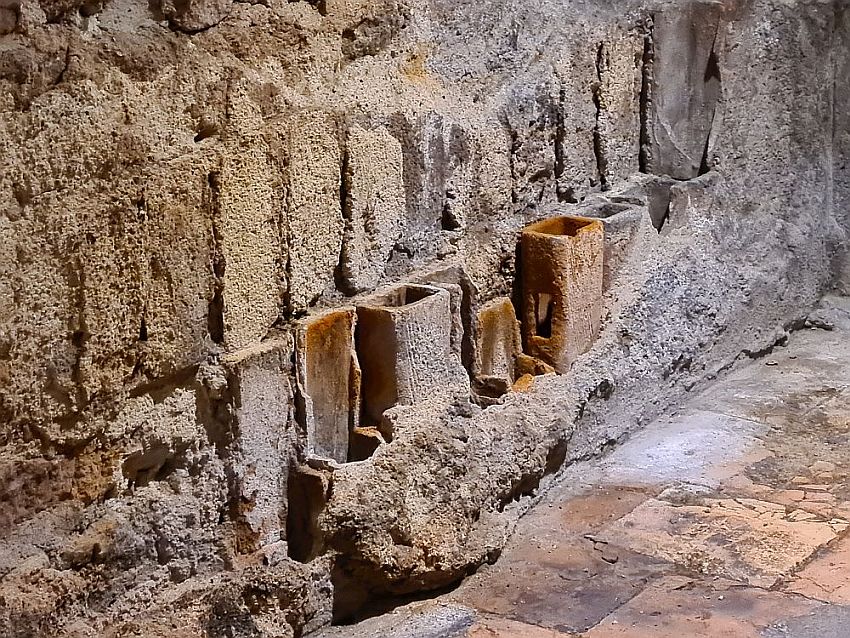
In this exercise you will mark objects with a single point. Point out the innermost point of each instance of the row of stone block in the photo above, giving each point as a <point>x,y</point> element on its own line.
<point>353,363</point>
<point>405,344</point>
<point>421,339</point>
<point>410,343</point>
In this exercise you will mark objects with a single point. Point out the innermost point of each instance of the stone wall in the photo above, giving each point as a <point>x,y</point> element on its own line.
<point>841,136</point>
<point>184,184</point>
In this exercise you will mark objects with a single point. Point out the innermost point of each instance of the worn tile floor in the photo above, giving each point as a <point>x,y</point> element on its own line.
<point>729,518</point>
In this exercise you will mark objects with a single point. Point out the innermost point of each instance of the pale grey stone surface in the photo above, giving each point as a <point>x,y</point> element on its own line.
<point>170,201</point>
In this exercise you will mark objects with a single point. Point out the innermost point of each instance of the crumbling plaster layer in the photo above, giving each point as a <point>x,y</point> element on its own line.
<point>159,215</point>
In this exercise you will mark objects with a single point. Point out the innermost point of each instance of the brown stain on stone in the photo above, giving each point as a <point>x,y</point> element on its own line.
<point>524,383</point>
<point>528,365</point>
<point>332,379</point>
<point>561,288</point>
<point>415,66</point>
<point>28,486</point>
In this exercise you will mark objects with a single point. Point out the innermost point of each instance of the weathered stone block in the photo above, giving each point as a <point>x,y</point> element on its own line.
<point>109,311</point>
<point>618,106</point>
<point>561,288</point>
<point>404,347</point>
<point>464,292</point>
<point>328,381</point>
<point>249,239</point>
<point>425,165</point>
<point>576,166</point>
<point>258,380</point>
<point>315,223</point>
<point>841,144</point>
<point>532,113</point>
<point>622,224</point>
<point>658,200</point>
<point>8,20</point>
<point>375,206</point>
<point>499,341</point>
<point>195,15</point>
<point>179,206</point>
<point>449,170</point>
<point>684,88</point>
<point>29,485</point>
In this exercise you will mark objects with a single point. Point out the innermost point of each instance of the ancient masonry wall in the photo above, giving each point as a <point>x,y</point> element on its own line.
<point>271,344</point>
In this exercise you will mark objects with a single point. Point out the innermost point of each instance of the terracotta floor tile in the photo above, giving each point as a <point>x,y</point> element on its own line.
<point>679,607</point>
<point>567,599</point>
<point>494,627</point>
<point>748,540</point>
<point>827,577</point>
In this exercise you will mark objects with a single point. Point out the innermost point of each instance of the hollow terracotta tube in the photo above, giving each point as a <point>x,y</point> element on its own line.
<point>561,288</point>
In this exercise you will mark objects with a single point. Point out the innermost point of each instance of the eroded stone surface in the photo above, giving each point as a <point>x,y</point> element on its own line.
<point>499,341</point>
<point>374,207</point>
<point>678,606</point>
<point>681,531</point>
<point>173,194</point>
<point>760,541</point>
<point>561,288</point>
<point>315,221</point>
<point>682,108</point>
<point>329,382</point>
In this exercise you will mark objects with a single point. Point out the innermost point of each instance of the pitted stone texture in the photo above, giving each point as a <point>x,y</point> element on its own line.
<point>464,298</point>
<point>176,310</point>
<point>249,232</point>
<point>281,598</point>
<point>315,223</point>
<point>263,440</point>
<point>499,340</point>
<point>454,172</point>
<point>195,15</point>
<point>404,347</point>
<point>841,141</point>
<point>625,226</point>
<point>375,206</point>
<point>577,166</point>
<point>533,113</point>
<point>122,316</point>
<point>618,125</point>
<point>160,505</point>
<point>92,106</point>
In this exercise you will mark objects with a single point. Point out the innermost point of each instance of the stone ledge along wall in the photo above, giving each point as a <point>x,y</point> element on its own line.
<point>187,186</point>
